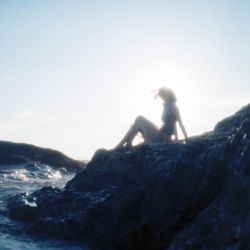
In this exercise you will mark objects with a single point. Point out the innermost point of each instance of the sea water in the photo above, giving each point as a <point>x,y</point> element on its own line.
<point>27,178</point>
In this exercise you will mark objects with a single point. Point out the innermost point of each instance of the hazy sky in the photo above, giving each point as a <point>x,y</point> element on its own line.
<point>75,74</point>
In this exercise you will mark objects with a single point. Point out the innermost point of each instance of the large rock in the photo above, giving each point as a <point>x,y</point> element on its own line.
<point>156,196</point>
<point>21,153</point>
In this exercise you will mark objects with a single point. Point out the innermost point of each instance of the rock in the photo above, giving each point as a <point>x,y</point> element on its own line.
<point>20,153</point>
<point>157,196</point>
<point>21,207</point>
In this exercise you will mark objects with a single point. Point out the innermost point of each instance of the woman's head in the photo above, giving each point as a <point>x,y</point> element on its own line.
<point>167,95</point>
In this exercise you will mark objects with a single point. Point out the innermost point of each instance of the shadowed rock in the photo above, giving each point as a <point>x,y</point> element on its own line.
<point>21,153</point>
<point>156,196</point>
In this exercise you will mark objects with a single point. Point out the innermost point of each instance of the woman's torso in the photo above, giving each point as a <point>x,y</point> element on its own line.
<point>169,118</point>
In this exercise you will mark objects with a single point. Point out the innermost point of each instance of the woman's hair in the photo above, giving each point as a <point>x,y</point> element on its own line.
<point>167,94</point>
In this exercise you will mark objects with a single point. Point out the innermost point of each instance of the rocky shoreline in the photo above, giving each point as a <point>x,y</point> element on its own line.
<point>21,153</point>
<point>154,196</point>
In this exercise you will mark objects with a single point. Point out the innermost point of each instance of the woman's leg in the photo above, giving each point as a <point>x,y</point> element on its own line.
<point>149,132</point>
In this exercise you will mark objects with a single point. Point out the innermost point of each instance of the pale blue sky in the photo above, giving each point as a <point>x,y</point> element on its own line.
<point>75,74</point>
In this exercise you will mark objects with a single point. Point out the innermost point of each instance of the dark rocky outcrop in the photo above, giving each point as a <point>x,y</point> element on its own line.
<point>21,153</point>
<point>155,196</point>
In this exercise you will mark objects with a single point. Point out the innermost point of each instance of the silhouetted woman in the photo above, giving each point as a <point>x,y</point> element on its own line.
<point>149,131</point>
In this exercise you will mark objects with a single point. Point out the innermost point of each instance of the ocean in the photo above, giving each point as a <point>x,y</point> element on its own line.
<point>25,179</point>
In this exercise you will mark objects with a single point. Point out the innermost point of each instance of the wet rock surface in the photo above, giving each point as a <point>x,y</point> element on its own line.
<point>155,196</point>
<point>20,153</point>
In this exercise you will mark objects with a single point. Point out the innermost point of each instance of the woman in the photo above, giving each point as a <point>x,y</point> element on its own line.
<point>149,131</point>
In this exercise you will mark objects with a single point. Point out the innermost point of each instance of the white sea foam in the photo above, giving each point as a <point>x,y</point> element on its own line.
<point>25,179</point>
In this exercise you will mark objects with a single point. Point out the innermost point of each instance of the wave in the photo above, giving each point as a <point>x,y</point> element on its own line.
<point>26,178</point>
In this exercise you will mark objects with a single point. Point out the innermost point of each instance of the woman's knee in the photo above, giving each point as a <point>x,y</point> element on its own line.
<point>140,119</point>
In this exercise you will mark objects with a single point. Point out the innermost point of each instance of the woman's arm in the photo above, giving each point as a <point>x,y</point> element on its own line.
<point>181,124</point>
<point>175,134</point>
<point>183,129</point>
